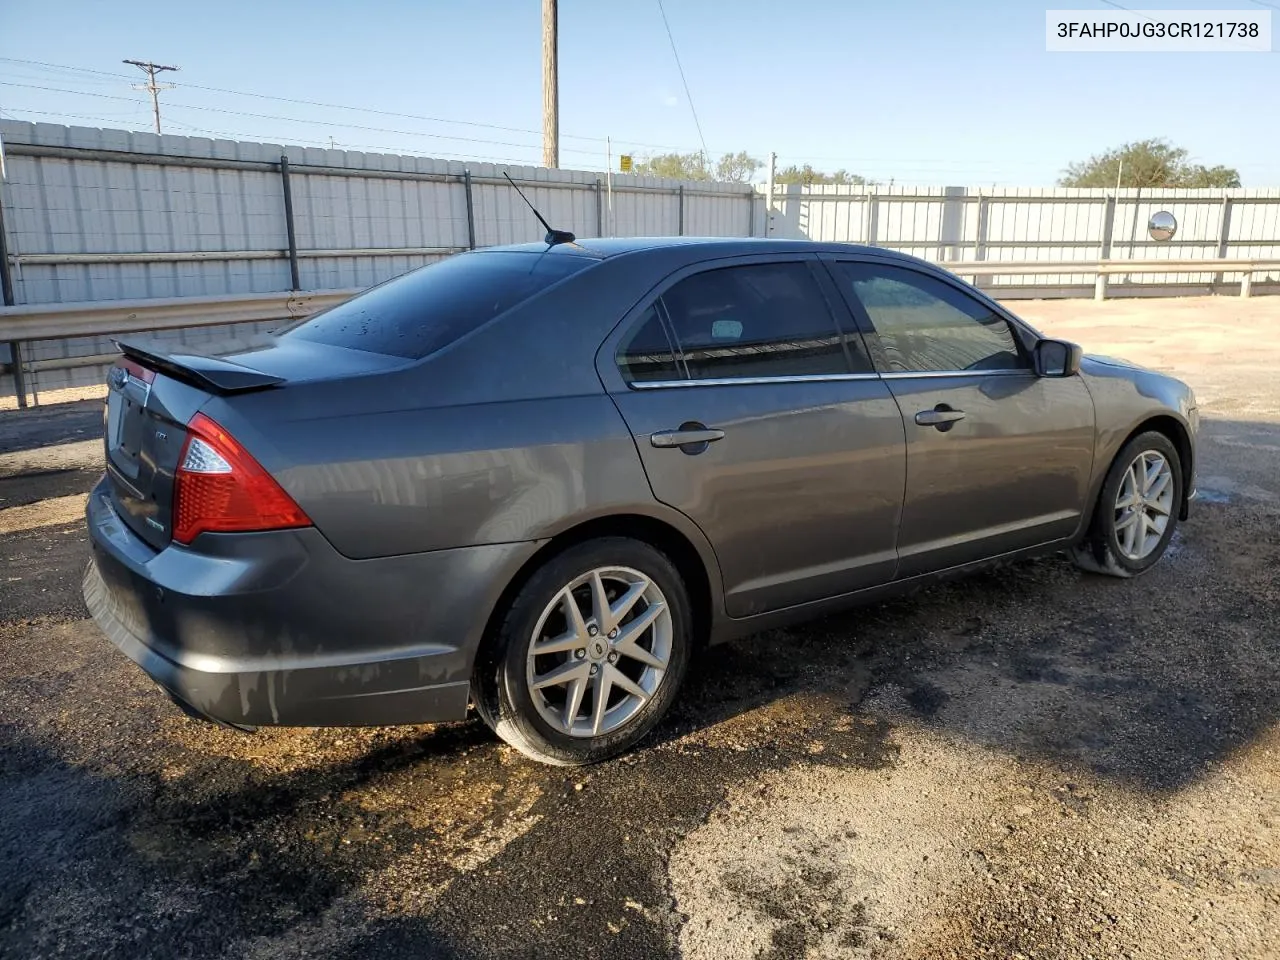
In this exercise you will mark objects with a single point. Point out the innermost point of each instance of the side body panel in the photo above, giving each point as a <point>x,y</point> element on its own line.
<point>1013,473</point>
<point>1126,396</point>
<point>800,499</point>
<point>1008,467</point>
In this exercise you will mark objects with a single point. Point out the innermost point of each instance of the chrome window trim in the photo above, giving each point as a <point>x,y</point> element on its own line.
<point>914,374</point>
<point>734,381</point>
<point>822,378</point>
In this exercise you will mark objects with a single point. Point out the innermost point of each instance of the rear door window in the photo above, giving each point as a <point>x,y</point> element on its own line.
<point>758,320</point>
<point>645,354</point>
<point>420,312</point>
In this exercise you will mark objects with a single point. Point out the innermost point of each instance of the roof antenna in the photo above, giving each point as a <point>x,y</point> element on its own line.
<point>553,236</point>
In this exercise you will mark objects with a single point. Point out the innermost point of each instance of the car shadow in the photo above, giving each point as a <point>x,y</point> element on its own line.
<point>1149,681</point>
<point>48,425</point>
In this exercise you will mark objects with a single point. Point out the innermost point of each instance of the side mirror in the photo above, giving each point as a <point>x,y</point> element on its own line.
<point>1058,358</point>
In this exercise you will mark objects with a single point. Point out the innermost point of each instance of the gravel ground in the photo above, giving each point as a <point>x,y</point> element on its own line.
<point>1031,762</point>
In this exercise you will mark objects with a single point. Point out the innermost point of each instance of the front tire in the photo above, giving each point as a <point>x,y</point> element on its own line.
<point>589,655</point>
<point>1137,509</point>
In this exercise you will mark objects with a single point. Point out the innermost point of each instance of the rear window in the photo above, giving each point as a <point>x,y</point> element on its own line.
<point>420,312</point>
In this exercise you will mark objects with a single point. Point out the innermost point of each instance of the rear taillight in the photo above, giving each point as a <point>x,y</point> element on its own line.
<point>220,488</point>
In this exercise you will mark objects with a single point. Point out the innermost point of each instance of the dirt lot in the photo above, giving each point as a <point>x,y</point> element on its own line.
<point>1032,762</point>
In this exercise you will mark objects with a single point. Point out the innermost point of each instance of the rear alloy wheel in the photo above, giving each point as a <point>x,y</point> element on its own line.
<point>589,655</point>
<point>1137,509</point>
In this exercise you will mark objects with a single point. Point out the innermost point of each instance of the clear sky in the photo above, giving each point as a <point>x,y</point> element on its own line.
<point>920,91</point>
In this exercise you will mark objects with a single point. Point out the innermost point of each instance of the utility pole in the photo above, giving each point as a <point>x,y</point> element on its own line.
<point>151,69</point>
<point>550,86</point>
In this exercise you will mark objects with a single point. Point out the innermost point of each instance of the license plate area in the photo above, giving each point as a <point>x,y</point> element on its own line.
<point>127,394</point>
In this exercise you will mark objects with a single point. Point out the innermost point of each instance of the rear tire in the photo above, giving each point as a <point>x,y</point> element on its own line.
<point>601,677</point>
<point>1137,509</point>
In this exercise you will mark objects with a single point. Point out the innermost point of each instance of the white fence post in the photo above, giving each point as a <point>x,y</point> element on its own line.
<point>768,196</point>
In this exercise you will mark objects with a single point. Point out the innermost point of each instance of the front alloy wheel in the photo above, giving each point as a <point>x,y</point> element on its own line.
<point>1137,509</point>
<point>1144,504</point>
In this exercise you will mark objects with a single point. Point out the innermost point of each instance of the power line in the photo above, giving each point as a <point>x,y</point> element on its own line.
<point>293,100</point>
<point>8,113</point>
<point>329,144</point>
<point>151,69</point>
<point>270,116</point>
<point>276,137</point>
<point>903,164</point>
<point>108,118</point>
<point>333,106</point>
<point>899,164</point>
<point>687,95</point>
<point>331,123</point>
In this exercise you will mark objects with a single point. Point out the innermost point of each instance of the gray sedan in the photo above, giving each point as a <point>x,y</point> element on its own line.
<point>538,478</point>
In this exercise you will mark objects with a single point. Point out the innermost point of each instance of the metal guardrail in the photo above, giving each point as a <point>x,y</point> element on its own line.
<point>49,321</point>
<point>26,322</point>
<point>96,318</point>
<point>1102,269</point>
<point>193,256</point>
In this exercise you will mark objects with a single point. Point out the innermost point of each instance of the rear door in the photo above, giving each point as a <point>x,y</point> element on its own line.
<point>998,458</point>
<point>759,416</point>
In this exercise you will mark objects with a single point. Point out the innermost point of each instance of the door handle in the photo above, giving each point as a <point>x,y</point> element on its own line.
<point>691,437</point>
<point>941,416</point>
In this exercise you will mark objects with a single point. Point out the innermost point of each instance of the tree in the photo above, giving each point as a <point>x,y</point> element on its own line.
<point>738,167</point>
<point>807,176</point>
<point>1146,163</point>
<point>677,166</point>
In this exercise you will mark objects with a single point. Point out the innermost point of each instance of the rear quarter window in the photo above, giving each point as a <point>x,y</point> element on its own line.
<point>420,312</point>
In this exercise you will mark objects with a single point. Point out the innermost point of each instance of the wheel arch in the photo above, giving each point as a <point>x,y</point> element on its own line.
<point>1177,433</point>
<point>694,561</point>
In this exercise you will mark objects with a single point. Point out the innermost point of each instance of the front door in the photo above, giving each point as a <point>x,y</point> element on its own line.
<point>759,417</point>
<point>998,458</point>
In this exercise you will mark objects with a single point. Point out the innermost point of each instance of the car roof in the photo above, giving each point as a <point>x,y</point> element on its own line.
<point>603,248</point>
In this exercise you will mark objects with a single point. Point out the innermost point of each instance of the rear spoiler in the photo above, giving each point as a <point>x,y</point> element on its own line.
<point>208,373</point>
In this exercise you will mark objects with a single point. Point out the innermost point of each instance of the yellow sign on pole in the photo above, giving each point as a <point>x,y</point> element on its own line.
<point>625,162</point>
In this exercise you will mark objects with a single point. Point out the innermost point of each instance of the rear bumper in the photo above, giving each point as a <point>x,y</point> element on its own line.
<point>279,629</point>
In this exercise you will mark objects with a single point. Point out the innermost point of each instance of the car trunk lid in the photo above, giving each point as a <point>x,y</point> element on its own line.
<point>154,391</point>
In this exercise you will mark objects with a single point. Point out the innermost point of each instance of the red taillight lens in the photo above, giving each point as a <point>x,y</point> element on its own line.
<point>219,488</point>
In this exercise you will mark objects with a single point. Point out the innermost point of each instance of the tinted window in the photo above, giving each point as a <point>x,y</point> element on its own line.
<point>766,320</point>
<point>645,353</point>
<point>420,312</point>
<point>925,324</point>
